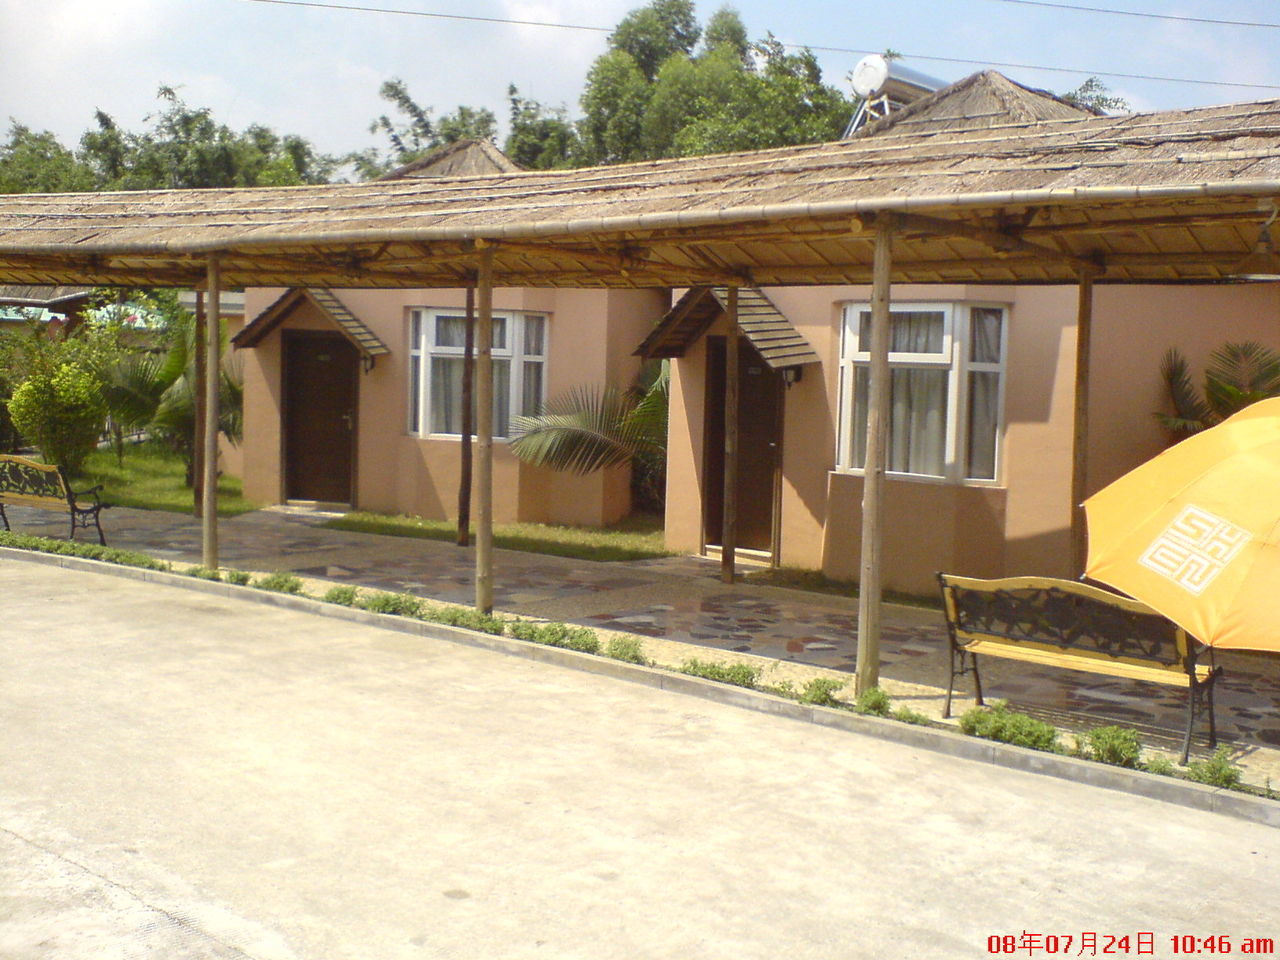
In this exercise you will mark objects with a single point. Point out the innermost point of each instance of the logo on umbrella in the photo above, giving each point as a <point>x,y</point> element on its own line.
<point>1194,549</point>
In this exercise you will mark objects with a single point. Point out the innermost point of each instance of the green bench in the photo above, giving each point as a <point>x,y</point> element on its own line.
<point>29,483</point>
<point>1064,623</point>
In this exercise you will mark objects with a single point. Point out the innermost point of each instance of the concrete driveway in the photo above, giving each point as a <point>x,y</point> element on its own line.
<point>187,776</point>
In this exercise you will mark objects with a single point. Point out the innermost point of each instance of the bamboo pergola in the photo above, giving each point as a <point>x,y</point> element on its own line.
<point>1170,197</point>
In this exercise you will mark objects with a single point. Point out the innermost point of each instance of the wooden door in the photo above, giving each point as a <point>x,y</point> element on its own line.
<point>320,380</point>
<point>760,393</point>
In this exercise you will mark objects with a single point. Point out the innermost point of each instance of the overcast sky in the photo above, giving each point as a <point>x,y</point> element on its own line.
<point>316,72</point>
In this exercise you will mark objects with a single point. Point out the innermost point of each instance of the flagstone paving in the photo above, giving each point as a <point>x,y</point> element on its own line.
<point>680,600</point>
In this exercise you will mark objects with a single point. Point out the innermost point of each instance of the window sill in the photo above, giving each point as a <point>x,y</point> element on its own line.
<point>922,478</point>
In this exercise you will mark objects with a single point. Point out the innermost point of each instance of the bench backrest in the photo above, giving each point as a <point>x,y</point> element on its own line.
<point>1065,614</point>
<point>29,483</point>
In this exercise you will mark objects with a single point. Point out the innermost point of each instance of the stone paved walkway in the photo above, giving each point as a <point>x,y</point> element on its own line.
<point>681,601</point>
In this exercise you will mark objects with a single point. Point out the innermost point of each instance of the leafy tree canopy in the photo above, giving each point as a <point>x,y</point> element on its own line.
<point>411,133</point>
<point>33,162</point>
<point>1096,95</point>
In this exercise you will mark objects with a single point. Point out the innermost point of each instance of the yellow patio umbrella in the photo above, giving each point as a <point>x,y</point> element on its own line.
<point>1194,533</point>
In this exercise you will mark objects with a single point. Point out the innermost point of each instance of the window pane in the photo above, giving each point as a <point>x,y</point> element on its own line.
<point>984,334</point>
<point>446,394</point>
<point>501,397</point>
<point>500,333</point>
<point>535,331</point>
<point>910,331</point>
<point>415,393</point>
<point>415,332</point>
<point>917,421</point>
<point>861,382</point>
<point>984,416</point>
<point>451,331</point>
<point>531,395</point>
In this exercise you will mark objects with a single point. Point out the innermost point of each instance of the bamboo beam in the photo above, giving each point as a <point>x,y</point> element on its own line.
<point>1080,428</point>
<point>213,340</point>
<point>202,372</point>
<point>995,239</point>
<point>869,583</point>
<point>468,391</point>
<point>729,513</point>
<point>484,433</point>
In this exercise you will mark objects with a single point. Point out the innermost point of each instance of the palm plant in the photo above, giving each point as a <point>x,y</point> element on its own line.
<point>1238,374</point>
<point>594,427</point>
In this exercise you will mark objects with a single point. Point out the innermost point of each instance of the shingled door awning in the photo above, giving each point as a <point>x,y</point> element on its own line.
<point>774,336</point>
<point>330,307</point>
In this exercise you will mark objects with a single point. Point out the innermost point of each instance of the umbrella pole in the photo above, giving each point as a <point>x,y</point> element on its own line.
<point>1080,429</point>
<point>868,666</point>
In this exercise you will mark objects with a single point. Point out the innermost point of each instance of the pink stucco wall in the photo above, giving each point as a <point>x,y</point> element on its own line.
<point>591,336</point>
<point>1019,524</point>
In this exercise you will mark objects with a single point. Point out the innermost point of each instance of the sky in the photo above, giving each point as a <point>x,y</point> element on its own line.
<point>316,72</point>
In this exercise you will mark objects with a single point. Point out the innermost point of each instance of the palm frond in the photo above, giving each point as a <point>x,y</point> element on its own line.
<point>1191,413</point>
<point>584,430</point>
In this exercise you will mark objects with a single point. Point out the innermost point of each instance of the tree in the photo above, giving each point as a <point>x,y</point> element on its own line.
<point>413,134</point>
<point>33,162</point>
<point>592,428</point>
<point>1238,375</point>
<point>1093,94</point>
<point>614,102</point>
<point>651,34</point>
<point>540,138</point>
<point>186,148</point>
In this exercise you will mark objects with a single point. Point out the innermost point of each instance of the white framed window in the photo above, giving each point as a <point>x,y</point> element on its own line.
<point>437,342</point>
<point>946,386</point>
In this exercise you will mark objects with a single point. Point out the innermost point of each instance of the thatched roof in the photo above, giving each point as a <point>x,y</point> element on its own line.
<point>774,336</point>
<point>981,101</point>
<point>462,158</point>
<point>1147,197</point>
<point>48,298</point>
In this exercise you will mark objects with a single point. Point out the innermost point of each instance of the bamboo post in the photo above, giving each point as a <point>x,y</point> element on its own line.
<point>1080,428</point>
<point>729,518</point>
<point>197,459</point>
<point>484,433</point>
<point>468,382</point>
<point>213,341</point>
<point>868,665</point>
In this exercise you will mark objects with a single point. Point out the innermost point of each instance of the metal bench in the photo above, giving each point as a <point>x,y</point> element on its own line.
<point>29,483</point>
<point>1064,623</point>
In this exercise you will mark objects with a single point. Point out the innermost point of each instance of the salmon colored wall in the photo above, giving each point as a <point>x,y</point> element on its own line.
<point>1021,523</point>
<point>591,335</point>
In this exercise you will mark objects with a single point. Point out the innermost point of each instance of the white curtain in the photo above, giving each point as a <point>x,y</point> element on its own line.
<point>918,421</point>
<point>984,417</point>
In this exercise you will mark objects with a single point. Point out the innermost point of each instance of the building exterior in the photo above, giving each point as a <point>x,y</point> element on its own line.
<point>982,410</point>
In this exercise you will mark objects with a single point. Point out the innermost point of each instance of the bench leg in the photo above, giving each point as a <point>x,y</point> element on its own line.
<point>951,682</point>
<point>73,524</point>
<point>97,522</point>
<point>1191,719</point>
<point>4,516</point>
<point>977,681</point>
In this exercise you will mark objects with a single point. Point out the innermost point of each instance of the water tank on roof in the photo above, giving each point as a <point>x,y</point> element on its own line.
<point>885,85</point>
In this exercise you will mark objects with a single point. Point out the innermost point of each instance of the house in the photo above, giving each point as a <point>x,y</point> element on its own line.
<point>983,386</point>
<point>354,396</point>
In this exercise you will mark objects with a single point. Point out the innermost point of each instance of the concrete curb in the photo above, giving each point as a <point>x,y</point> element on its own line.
<point>1167,789</point>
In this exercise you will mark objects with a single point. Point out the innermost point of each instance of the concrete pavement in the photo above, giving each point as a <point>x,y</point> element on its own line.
<point>191,776</point>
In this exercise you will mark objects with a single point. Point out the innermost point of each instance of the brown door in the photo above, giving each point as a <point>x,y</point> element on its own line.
<point>319,416</point>
<point>760,394</point>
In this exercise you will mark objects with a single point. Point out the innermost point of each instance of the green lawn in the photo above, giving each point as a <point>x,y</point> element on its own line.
<point>635,538</point>
<point>152,478</point>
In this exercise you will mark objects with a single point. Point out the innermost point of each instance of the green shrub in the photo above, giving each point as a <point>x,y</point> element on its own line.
<point>627,649</point>
<point>874,702</point>
<point>465,618</point>
<point>737,674</point>
<point>1217,771</point>
<point>1118,746</point>
<point>820,691</point>
<point>60,411</point>
<point>1162,765</point>
<point>279,582</point>
<point>203,573</point>
<point>907,715</point>
<point>238,577</point>
<point>555,635</point>
<point>396,604</point>
<point>89,551</point>
<point>1000,723</point>
<point>344,595</point>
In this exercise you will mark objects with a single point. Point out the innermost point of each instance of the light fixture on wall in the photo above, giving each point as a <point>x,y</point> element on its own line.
<point>1264,262</point>
<point>791,375</point>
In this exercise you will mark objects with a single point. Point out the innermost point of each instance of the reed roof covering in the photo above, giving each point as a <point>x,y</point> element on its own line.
<point>1171,196</point>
